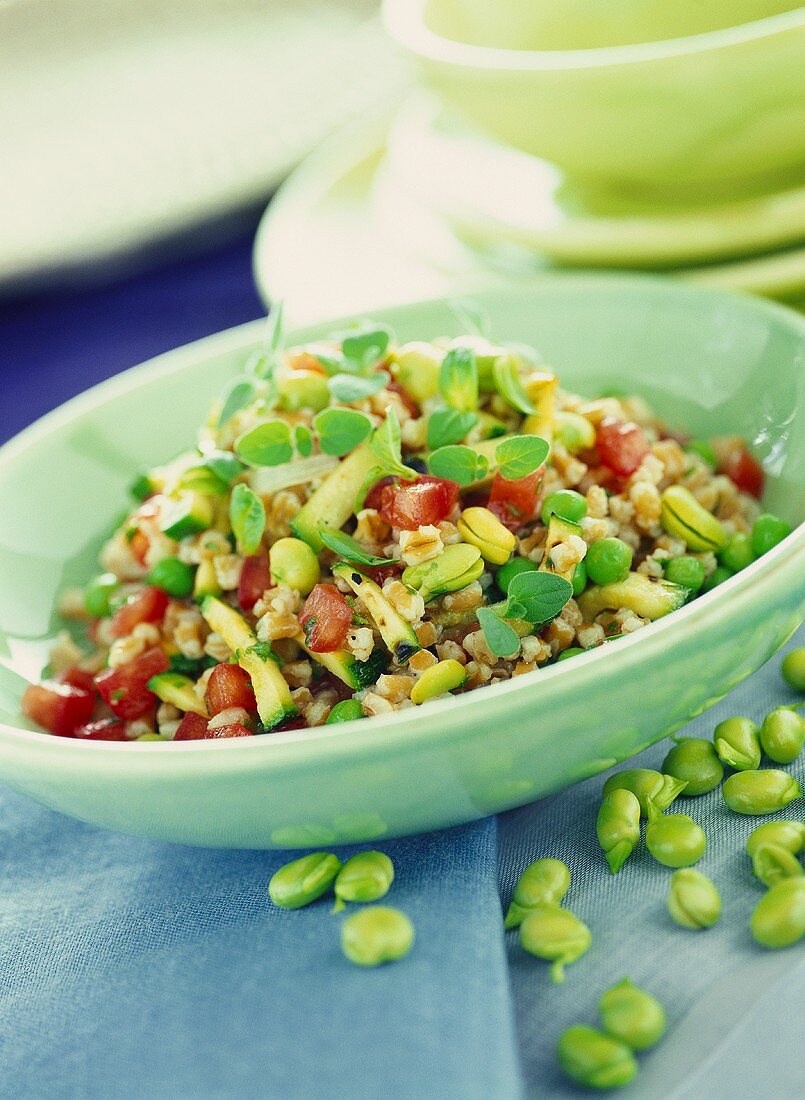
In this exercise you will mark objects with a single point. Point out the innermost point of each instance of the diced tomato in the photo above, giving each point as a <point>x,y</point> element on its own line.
<point>745,471</point>
<point>325,619</point>
<point>58,708</point>
<point>124,688</point>
<point>405,397</point>
<point>105,729</point>
<point>229,686</point>
<point>234,729</point>
<point>374,497</point>
<point>381,573</point>
<point>254,580</point>
<point>195,728</point>
<point>621,445</point>
<point>148,606</point>
<point>514,500</point>
<point>410,504</point>
<point>78,678</point>
<point>139,544</point>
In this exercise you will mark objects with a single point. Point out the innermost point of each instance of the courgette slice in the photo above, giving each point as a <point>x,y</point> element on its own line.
<point>344,665</point>
<point>334,501</point>
<point>172,687</point>
<point>398,634</point>
<point>647,598</point>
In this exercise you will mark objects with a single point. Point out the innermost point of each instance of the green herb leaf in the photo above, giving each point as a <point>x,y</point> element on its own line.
<point>446,426</point>
<point>500,637</point>
<point>365,344</point>
<point>247,516</point>
<point>332,361</point>
<point>458,379</point>
<point>350,549</point>
<point>224,465</point>
<point>541,594</point>
<point>303,440</point>
<point>521,455</point>
<point>263,363</point>
<point>471,317</point>
<point>341,430</point>
<point>240,394</point>
<point>387,445</point>
<point>355,387</point>
<point>461,464</point>
<point>506,373</point>
<point>268,444</point>
<point>264,651</point>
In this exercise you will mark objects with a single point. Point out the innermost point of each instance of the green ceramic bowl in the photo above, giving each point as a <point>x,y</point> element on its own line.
<point>708,361</point>
<point>721,112</point>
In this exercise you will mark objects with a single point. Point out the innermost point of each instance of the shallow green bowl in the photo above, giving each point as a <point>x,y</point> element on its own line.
<point>718,113</point>
<point>708,361</point>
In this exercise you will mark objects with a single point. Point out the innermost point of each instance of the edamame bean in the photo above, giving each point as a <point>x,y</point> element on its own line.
<point>696,762</point>
<point>618,827</point>
<point>457,566</point>
<point>772,863</point>
<point>793,669</point>
<point>438,680</point>
<point>482,528</point>
<point>573,431</point>
<point>556,935</point>
<point>174,577</point>
<point>293,563</point>
<point>566,503</point>
<point>717,577</point>
<point>760,792</point>
<point>608,561</point>
<point>737,552</point>
<point>631,1015</point>
<point>579,579</point>
<point>649,787</point>
<point>782,735</point>
<point>693,900</point>
<point>376,935</point>
<point>595,1060</point>
<point>347,710</point>
<point>779,918</point>
<point>767,531</point>
<point>98,593</point>
<point>675,840</point>
<point>511,569</point>
<point>786,834</point>
<point>367,876</point>
<point>737,743</point>
<point>543,882</point>
<point>687,571</point>
<point>304,880</point>
<point>684,518</point>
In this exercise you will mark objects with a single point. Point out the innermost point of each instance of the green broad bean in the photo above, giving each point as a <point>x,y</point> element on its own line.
<point>595,1060</point>
<point>631,1015</point>
<point>98,595</point>
<point>174,577</point>
<point>566,503</point>
<point>782,735</point>
<point>704,450</point>
<point>772,863</point>
<point>556,935</point>
<point>683,517</point>
<point>696,762</point>
<point>693,900</point>
<point>573,431</point>
<point>737,743</point>
<point>618,827</point>
<point>294,563</point>
<point>793,669</point>
<point>543,882</point>
<point>785,834</point>
<point>347,710</point>
<point>303,880</point>
<point>482,528</point>
<point>675,840</point>
<point>457,566</point>
<point>511,569</point>
<point>687,571</point>
<point>779,917</point>
<point>767,531</point>
<point>737,552</point>
<point>579,578</point>
<point>760,792</point>
<point>608,561</point>
<point>652,789</point>
<point>366,876</point>
<point>717,577</point>
<point>378,934</point>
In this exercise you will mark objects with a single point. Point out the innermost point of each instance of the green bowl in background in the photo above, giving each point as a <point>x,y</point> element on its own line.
<point>709,362</point>
<point>684,119</point>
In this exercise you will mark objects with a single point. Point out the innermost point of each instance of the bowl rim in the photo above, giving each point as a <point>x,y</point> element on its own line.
<point>405,21</point>
<point>389,731</point>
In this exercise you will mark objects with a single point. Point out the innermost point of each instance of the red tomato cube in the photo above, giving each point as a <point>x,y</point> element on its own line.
<point>58,708</point>
<point>514,500</point>
<point>105,729</point>
<point>621,446</point>
<point>148,606</point>
<point>77,678</point>
<point>325,619</point>
<point>411,504</point>
<point>254,580</point>
<point>125,688</point>
<point>745,472</point>
<point>191,728</point>
<point>229,686</point>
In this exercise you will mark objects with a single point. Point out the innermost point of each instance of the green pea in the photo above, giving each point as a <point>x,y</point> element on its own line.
<point>507,573</point>
<point>760,792</point>
<point>608,561</point>
<point>174,577</point>
<point>772,863</point>
<point>695,761</point>
<point>782,735</point>
<point>779,918</point>
<point>367,876</point>
<point>293,563</point>
<point>703,449</point>
<point>595,1060</point>
<point>784,834</point>
<point>303,880</point>
<point>653,790</point>
<point>717,577</point>
<point>574,651</point>
<point>793,669</point>
<point>618,827</point>
<point>579,579</point>
<point>687,571</point>
<point>675,840</point>
<point>767,531</point>
<point>556,935</point>
<point>345,711</point>
<point>543,882</point>
<point>693,900</point>
<point>631,1015</point>
<point>376,935</point>
<point>566,503</point>
<point>98,595</point>
<point>737,552</point>
<point>737,743</point>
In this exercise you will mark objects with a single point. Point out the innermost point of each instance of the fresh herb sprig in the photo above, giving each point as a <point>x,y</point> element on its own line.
<point>516,457</point>
<point>353,374</point>
<point>350,549</point>
<point>537,597</point>
<point>247,517</point>
<point>258,380</point>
